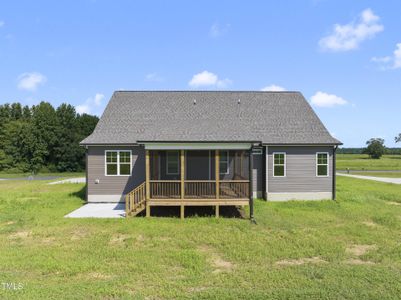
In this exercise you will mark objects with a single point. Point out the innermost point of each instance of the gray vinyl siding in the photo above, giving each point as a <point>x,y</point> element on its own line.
<point>300,170</point>
<point>113,185</point>
<point>257,174</point>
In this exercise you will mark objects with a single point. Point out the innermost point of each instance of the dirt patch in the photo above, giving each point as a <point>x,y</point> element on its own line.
<point>300,261</point>
<point>19,235</point>
<point>359,250</point>
<point>218,263</point>
<point>370,223</point>
<point>393,203</point>
<point>118,239</point>
<point>357,261</point>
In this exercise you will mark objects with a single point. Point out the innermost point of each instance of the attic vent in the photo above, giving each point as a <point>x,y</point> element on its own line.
<point>239,101</point>
<point>194,101</point>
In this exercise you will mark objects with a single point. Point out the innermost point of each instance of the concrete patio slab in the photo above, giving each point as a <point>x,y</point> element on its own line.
<point>99,210</point>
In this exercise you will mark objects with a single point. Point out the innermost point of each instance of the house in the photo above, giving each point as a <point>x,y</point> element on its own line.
<point>187,148</point>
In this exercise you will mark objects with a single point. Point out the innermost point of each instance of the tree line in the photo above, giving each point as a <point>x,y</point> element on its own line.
<point>375,148</point>
<point>43,138</point>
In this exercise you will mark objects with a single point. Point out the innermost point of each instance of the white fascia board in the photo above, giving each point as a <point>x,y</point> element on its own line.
<point>197,146</point>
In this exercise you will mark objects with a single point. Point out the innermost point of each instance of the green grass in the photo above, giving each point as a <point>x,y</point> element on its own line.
<point>378,174</point>
<point>63,174</point>
<point>363,162</point>
<point>166,258</point>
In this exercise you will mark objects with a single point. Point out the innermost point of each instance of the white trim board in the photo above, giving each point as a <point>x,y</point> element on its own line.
<point>197,146</point>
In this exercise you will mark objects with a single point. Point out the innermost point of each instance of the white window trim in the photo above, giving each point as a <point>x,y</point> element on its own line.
<point>118,162</point>
<point>285,164</point>
<point>227,172</point>
<point>317,164</point>
<point>178,163</point>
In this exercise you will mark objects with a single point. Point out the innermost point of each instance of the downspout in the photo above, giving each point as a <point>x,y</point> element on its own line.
<point>86,173</point>
<point>334,172</point>
<point>251,215</point>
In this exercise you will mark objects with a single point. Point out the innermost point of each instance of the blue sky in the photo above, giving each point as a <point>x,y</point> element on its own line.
<point>344,56</point>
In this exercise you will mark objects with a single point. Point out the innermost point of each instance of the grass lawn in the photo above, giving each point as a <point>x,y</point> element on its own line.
<point>363,162</point>
<point>378,174</point>
<point>298,250</point>
<point>20,175</point>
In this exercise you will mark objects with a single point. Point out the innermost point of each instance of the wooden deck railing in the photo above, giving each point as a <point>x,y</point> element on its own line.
<point>135,200</point>
<point>232,189</point>
<point>199,189</point>
<point>165,189</point>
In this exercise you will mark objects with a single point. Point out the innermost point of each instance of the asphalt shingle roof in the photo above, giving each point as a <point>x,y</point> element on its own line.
<point>217,116</point>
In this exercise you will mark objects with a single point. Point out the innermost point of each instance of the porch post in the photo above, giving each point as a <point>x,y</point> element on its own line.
<point>182,173</point>
<point>217,176</point>
<point>147,183</point>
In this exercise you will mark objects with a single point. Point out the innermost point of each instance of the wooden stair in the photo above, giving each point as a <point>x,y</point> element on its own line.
<point>135,201</point>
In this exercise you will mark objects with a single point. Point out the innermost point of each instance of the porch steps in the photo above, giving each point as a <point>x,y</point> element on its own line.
<point>137,210</point>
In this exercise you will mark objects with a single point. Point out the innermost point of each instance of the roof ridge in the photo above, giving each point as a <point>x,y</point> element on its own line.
<point>201,91</point>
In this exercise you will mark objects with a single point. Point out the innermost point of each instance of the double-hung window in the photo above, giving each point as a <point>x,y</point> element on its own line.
<point>279,164</point>
<point>322,164</point>
<point>172,162</point>
<point>118,163</point>
<point>224,165</point>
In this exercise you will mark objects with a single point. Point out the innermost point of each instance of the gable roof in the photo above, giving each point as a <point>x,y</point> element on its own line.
<point>209,116</point>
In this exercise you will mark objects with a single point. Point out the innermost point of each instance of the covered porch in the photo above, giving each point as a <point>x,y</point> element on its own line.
<point>194,177</point>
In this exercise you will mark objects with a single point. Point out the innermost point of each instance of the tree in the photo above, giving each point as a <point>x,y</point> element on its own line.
<point>375,148</point>
<point>398,138</point>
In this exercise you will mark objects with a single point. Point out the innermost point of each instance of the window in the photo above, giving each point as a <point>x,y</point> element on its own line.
<point>172,162</point>
<point>278,164</point>
<point>224,167</point>
<point>322,164</point>
<point>118,162</point>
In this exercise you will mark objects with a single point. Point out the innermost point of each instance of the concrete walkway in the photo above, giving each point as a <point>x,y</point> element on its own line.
<point>70,180</point>
<point>382,179</point>
<point>99,210</point>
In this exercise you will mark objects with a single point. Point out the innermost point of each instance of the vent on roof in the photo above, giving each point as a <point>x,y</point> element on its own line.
<point>194,101</point>
<point>239,101</point>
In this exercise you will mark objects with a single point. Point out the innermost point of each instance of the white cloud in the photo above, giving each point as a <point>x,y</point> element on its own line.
<point>30,81</point>
<point>153,77</point>
<point>273,88</point>
<point>208,79</point>
<point>350,36</point>
<point>2,23</point>
<point>390,62</point>
<point>322,99</point>
<point>217,30</point>
<point>91,105</point>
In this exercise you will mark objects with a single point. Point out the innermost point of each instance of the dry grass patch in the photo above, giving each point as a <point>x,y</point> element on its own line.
<point>393,203</point>
<point>358,261</point>
<point>359,250</point>
<point>98,276</point>
<point>370,223</point>
<point>218,263</point>
<point>20,235</point>
<point>118,239</point>
<point>78,234</point>
<point>300,261</point>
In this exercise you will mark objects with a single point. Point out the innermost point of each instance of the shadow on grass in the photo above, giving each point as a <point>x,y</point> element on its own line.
<point>80,194</point>
<point>195,211</point>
